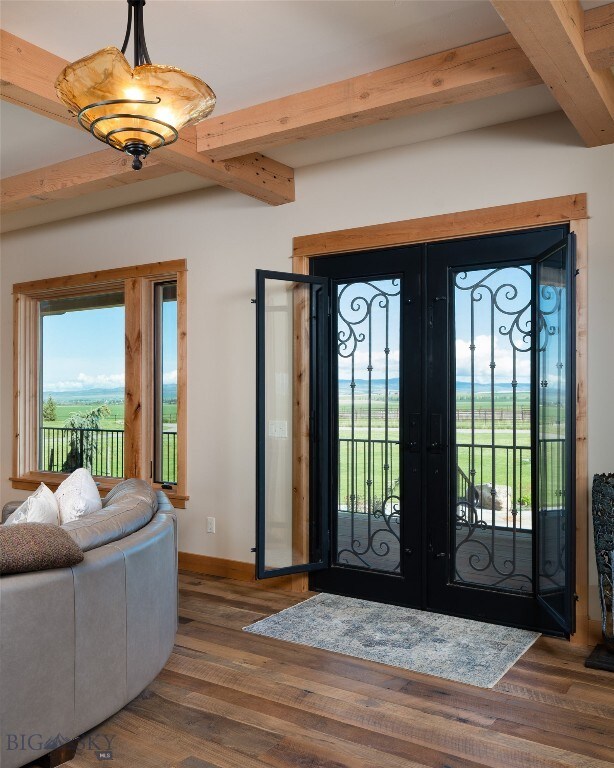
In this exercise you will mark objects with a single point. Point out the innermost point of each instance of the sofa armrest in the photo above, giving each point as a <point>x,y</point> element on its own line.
<point>9,508</point>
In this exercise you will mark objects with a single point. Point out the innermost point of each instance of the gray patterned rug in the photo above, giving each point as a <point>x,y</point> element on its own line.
<point>463,650</point>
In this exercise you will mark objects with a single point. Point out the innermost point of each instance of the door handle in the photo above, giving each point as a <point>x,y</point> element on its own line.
<point>436,555</point>
<point>413,443</point>
<point>434,438</point>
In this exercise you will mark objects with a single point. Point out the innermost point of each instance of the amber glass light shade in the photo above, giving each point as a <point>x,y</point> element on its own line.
<point>125,107</point>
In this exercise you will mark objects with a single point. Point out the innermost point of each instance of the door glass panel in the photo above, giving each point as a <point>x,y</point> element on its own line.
<point>555,376</point>
<point>491,478</point>
<point>369,467</point>
<point>292,316</point>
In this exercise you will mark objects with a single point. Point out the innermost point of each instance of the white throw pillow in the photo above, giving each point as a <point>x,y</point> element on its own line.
<point>40,507</point>
<point>77,496</point>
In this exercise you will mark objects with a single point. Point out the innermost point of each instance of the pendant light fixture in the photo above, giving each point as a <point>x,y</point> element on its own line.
<point>135,109</point>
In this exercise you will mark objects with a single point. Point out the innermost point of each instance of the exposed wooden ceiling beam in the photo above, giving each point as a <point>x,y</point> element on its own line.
<point>79,176</point>
<point>551,33</point>
<point>599,36</point>
<point>252,174</point>
<point>470,72</point>
<point>27,75</point>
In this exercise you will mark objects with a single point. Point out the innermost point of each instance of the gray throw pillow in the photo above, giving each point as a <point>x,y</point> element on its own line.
<point>36,547</point>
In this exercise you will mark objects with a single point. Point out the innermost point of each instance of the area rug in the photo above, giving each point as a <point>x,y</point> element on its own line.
<point>462,650</point>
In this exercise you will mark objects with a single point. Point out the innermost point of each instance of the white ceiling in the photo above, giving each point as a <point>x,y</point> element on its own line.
<point>256,50</point>
<point>251,51</point>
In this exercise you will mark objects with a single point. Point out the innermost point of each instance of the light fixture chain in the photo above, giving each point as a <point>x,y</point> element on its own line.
<point>141,54</point>
<point>128,29</point>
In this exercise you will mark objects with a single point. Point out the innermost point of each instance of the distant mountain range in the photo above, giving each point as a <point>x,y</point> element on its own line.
<point>379,385</point>
<point>101,394</point>
<point>169,391</point>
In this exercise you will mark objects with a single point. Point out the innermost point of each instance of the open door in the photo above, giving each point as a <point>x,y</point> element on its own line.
<point>555,431</point>
<point>292,443</point>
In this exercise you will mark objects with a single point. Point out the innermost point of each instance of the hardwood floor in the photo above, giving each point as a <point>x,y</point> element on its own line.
<point>228,699</point>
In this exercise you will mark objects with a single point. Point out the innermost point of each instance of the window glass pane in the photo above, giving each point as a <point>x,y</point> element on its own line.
<point>494,498</point>
<point>555,377</point>
<point>288,366</point>
<point>82,363</point>
<point>165,451</point>
<point>368,339</point>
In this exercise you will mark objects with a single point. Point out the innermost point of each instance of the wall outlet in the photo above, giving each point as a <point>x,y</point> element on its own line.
<point>210,525</point>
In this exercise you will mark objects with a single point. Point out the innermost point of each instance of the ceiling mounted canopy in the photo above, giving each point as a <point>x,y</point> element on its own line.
<point>133,110</point>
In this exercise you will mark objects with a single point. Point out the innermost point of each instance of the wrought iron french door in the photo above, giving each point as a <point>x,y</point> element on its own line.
<point>376,522</point>
<point>499,465</point>
<point>439,384</point>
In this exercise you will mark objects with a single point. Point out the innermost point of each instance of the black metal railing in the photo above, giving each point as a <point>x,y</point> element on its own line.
<point>508,470</point>
<point>369,472</point>
<point>511,467</point>
<point>168,458</point>
<point>64,449</point>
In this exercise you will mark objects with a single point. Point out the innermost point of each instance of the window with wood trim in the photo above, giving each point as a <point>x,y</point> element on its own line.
<point>100,377</point>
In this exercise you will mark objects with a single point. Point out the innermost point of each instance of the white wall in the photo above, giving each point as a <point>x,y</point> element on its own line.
<point>225,236</point>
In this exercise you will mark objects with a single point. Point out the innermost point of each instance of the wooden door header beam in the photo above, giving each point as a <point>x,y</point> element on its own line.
<point>467,73</point>
<point>551,33</point>
<point>447,226</point>
<point>27,77</point>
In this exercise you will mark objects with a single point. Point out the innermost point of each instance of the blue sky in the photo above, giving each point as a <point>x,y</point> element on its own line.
<point>355,294</point>
<point>85,349</point>
<point>482,331</point>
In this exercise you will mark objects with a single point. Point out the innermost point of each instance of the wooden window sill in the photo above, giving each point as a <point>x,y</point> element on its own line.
<point>32,480</point>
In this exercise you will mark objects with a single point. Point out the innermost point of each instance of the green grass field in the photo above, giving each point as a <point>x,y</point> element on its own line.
<point>108,454</point>
<point>353,475</point>
<point>116,419</point>
<point>353,463</point>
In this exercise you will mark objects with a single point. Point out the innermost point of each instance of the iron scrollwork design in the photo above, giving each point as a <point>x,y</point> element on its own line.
<point>506,293</point>
<point>374,521</point>
<point>485,545</point>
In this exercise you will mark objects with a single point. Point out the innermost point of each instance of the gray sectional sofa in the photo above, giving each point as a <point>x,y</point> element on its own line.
<point>77,644</point>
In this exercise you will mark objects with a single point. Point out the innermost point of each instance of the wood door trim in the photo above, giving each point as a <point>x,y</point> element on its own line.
<point>447,226</point>
<point>568,209</point>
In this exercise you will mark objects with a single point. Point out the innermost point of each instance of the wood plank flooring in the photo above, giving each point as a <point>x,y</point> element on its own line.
<point>228,699</point>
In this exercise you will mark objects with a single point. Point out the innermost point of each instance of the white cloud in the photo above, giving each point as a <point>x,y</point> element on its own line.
<point>503,361</point>
<point>378,361</point>
<point>84,381</point>
<point>502,357</point>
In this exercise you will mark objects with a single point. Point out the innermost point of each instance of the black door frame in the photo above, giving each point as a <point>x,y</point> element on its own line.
<point>318,505</point>
<point>372,584</point>
<point>445,596</point>
<point>494,606</point>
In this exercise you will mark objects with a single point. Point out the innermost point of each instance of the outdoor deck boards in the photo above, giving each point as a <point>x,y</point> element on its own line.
<point>228,699</point>
<point>511,562</point>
